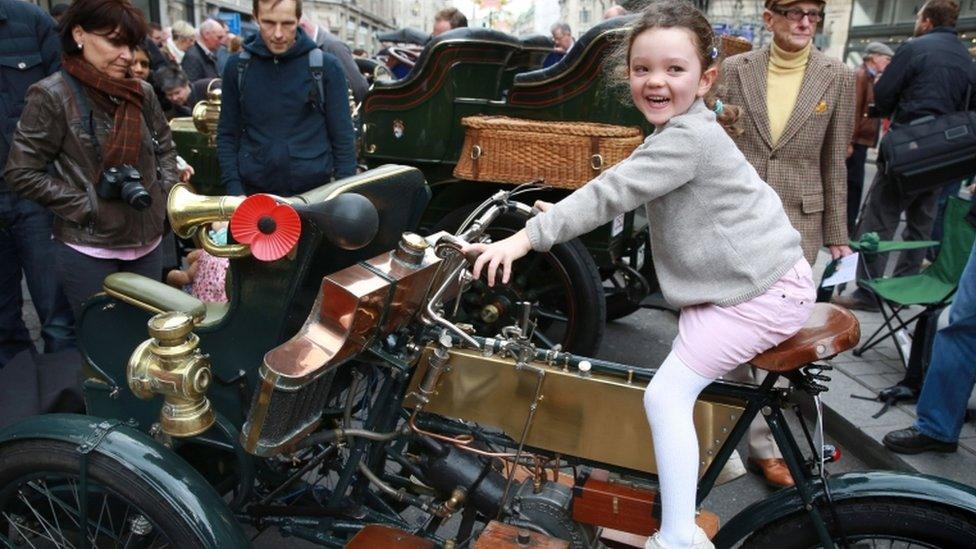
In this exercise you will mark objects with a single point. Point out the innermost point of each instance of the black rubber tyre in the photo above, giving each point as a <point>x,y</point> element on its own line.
<point>895,522</point>
<point>619,302</point>
<point>39,501</point>
<point>570,311</point>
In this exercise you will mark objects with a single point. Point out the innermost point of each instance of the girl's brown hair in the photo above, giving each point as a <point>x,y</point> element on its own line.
<point>682,15</point>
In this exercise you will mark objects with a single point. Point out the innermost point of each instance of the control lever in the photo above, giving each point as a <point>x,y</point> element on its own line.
<point>526,326</point>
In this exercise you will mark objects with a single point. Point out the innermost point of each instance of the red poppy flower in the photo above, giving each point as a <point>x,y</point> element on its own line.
<point>269,228</point>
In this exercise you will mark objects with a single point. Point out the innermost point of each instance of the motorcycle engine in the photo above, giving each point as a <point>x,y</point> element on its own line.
<point>549,510</point>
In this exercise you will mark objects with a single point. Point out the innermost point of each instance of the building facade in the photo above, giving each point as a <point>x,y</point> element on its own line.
<point>892,22</point>
<point>583,14</point>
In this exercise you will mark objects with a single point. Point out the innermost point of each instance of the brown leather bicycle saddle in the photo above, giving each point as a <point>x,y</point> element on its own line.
<point>830,331</point>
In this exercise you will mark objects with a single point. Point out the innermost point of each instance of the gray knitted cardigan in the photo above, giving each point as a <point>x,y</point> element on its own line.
<point>718,232</point>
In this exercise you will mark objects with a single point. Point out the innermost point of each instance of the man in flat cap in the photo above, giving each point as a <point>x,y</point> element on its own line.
<point>797,120</point>
<point>876,58</point>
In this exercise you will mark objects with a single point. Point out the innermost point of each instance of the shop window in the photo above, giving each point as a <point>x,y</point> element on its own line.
<point>905,11</point>
<point>967,8</point>
<point>870,12</point>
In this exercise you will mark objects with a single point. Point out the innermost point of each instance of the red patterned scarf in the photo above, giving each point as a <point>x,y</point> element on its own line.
<point>123,96</point>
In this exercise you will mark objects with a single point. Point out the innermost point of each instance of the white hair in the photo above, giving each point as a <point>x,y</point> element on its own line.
<point>209,26</point>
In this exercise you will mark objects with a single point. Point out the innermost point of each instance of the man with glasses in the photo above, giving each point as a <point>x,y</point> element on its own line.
<point>930,74</point>
<point>797,120</point>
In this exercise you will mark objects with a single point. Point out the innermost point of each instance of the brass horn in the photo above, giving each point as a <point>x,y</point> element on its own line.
<point>190,215</point>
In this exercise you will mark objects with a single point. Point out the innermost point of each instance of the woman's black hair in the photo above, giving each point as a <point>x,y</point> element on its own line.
<point>116,18</point>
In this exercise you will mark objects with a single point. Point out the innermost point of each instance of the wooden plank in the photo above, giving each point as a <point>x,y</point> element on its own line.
<point>376,535</point>
<point>505,536</point>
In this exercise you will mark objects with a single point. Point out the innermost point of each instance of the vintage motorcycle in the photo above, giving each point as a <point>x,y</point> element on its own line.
<point>372,418</point>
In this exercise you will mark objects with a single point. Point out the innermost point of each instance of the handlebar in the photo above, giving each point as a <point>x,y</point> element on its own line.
<point>451,246</point>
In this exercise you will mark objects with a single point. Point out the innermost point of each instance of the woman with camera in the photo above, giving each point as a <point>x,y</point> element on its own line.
<point>94,147</point>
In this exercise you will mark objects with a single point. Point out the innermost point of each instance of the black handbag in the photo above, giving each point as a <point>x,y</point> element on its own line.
<point>930,152</point>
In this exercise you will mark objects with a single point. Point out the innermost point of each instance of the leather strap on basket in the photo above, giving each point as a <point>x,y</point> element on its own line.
<point>596,159</point>
<point>475,152</point>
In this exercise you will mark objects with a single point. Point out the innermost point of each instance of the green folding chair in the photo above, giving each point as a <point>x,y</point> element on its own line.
<point>933,288</point>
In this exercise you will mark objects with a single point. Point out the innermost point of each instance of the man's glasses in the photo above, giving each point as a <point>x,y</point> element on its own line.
<point>797,14</point>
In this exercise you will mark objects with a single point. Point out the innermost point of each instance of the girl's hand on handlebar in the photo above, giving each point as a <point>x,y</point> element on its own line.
<point>542,205</point>
<point>499,254</point>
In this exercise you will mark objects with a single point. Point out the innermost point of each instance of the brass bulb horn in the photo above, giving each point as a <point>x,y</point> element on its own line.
<point>191,214</point>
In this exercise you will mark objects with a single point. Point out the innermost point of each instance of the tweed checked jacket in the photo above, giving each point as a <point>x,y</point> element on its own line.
<point>807,166</point>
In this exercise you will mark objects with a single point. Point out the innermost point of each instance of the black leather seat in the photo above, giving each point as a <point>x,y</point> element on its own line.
<point>576,52</point>
<point>441,42</point>
<point>537,41</point>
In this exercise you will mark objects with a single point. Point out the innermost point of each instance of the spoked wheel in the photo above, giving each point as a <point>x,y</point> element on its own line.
<point>562,285</point>
<point>45,502</point>
<point>875,523</point>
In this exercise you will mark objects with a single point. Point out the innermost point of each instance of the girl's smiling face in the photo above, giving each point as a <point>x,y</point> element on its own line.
<point>665,73</point>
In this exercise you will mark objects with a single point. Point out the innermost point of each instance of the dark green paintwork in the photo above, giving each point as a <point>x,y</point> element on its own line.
<point>195,148</point>
<point>848,487</point>
<point>187,491</point>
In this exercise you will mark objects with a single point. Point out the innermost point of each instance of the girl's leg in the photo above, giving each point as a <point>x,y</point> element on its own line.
<point>669,402</point>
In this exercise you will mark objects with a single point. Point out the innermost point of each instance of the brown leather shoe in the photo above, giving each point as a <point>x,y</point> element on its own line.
<point>774,470</point>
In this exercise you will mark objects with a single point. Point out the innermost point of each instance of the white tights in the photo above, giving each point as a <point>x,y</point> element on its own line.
<point>669,401</point>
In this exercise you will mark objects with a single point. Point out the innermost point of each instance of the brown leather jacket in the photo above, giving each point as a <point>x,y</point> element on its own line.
<point>865,129</point>
<point>51,132</point>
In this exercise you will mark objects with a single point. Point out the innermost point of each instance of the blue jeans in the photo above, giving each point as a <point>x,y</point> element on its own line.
<point>26,248</point>
<point>952,373</point>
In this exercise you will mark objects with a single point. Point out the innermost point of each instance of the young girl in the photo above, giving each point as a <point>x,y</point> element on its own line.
<point>724,250</point>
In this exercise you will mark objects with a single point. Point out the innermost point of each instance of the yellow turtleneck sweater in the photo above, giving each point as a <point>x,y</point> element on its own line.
<point>784,77</point>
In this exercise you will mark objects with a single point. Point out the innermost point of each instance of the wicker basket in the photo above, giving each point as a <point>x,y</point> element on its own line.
<point>561,154</point>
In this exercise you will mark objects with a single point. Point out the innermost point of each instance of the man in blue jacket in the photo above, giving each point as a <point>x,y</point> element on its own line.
<point>929,75</point>
<point>285,125</point>
<point>29,51</point>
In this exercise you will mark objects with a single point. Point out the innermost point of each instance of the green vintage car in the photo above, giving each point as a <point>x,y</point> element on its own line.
<point>416,121</point>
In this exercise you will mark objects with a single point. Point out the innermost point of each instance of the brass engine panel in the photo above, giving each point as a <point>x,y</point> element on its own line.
<point>596,416</point>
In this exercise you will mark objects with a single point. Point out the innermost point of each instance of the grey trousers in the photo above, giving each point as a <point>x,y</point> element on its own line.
<point>881,214</point>
<point>82,275</point>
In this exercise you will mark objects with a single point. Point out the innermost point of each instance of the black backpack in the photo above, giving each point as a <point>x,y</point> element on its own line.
<point>316,65</point>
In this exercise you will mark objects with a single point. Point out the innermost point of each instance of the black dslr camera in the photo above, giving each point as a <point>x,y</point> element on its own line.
<point>124,183</point>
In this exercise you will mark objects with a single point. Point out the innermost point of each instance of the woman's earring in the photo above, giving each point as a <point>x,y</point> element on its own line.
<point>80,45</point>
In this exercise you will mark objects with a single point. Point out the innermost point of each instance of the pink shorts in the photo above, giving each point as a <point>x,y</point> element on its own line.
<point>713,340</point>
